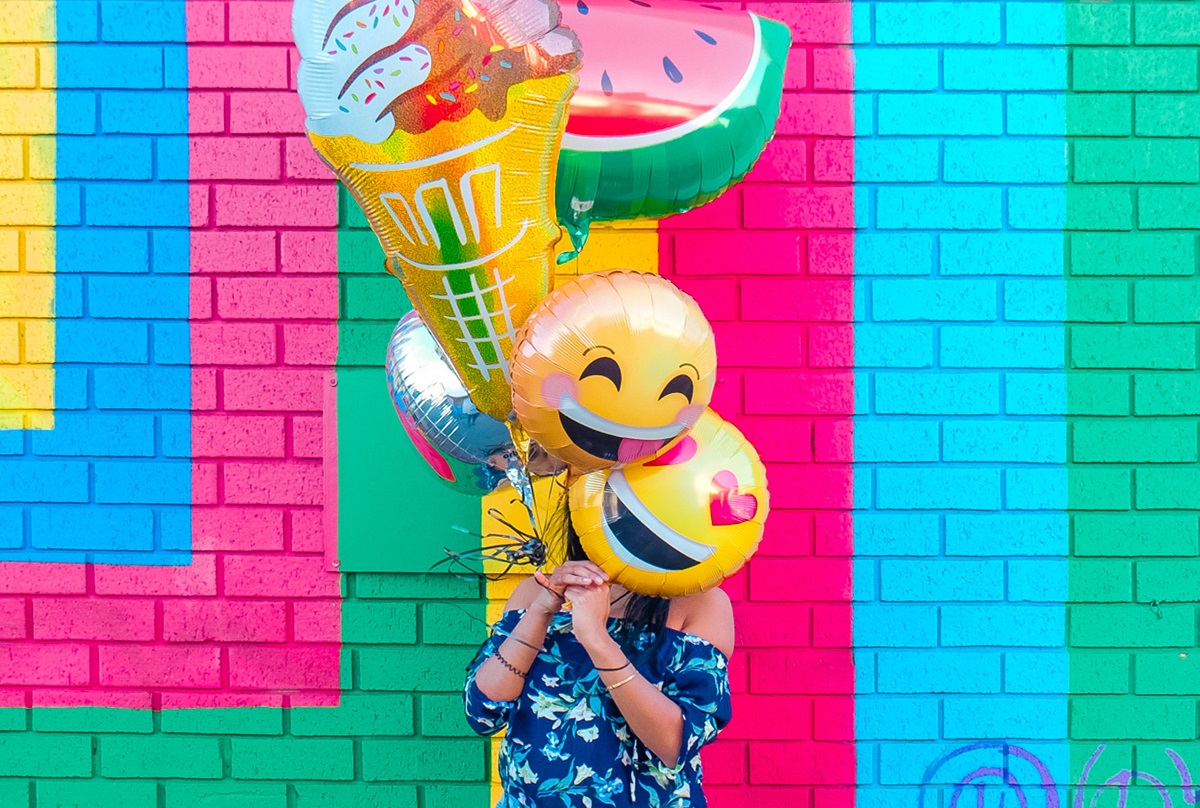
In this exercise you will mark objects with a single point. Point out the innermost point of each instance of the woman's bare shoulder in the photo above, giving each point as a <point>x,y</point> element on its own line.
<point>709,615</point>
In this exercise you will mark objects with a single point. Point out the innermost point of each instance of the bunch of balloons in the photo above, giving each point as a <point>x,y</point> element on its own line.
<point>474,133</point>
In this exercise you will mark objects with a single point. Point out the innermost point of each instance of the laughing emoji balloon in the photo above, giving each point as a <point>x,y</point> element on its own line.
<point>611,367</point>
<point>681,522</point>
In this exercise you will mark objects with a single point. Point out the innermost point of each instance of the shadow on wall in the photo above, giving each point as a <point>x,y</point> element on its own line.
<point>985,775</point>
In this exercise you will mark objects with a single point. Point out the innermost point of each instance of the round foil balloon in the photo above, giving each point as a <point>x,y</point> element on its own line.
<point>611,366</point>
<point>465,447</point>
<point>443,118</point>
<point>676,101</point>
<point>680,522</point>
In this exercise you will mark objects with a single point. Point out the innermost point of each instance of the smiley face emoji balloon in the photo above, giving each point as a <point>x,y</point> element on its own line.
<point>680,522</point>
<point>611,367</point>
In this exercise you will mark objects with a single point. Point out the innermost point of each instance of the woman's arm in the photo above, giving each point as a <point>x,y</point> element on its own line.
<point>655,718</point>
<point>520,648</point>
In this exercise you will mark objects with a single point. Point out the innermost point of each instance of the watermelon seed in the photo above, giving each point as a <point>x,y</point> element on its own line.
<point>671,70</point>
<point>606,83</point>
<point>582,6</point>
<point>640,3</point>
<point>706,37</point>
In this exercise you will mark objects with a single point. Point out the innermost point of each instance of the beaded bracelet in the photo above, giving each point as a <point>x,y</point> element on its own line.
<point>505,663</point>
<point>630,678</point>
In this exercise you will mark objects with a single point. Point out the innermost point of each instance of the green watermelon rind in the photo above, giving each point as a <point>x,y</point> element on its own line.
<point>705,158</point>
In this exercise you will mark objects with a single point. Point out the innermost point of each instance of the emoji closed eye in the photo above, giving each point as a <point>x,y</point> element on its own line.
<point>680,384</point>
<point>604,366</point>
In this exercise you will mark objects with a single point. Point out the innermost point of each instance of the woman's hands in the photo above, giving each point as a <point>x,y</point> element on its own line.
<point>569,574</point>
<point>589,614</point>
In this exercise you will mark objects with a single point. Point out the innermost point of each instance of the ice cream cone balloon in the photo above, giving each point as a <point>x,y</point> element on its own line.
<point>443,118</point>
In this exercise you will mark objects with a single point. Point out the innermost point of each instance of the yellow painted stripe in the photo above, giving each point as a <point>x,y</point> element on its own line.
<point>27,214</point>
<point>612,246</point>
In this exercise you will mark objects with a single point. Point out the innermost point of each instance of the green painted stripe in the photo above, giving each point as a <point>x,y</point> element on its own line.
<point>1133,304</point>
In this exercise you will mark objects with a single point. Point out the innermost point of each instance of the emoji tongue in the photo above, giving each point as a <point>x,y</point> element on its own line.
<point>632,449</point>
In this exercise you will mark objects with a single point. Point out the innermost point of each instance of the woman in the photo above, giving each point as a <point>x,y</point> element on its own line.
<point>606,704</point>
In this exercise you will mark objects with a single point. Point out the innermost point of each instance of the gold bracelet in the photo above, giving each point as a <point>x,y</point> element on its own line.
<point>630,678</point>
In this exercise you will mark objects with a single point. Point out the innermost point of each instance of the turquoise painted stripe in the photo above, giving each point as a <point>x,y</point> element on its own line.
<point>960,439</point>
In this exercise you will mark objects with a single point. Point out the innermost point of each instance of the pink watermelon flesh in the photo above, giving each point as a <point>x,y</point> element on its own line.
<point>649,65</point>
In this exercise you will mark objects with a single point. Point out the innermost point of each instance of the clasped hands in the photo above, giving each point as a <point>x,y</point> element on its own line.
<point>586,586</point>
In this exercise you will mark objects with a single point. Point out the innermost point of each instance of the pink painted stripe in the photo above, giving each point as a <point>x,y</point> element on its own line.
<point>772,264</point>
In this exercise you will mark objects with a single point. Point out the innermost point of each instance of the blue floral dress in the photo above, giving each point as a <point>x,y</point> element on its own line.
<point>568,746</point>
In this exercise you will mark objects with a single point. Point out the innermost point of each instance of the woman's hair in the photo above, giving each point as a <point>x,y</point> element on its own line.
<point>642,628</point>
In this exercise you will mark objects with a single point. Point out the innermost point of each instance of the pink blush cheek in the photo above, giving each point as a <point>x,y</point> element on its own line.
<point>556,386</point>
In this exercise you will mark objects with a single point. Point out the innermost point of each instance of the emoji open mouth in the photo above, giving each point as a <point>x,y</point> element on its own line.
<point>639,538</point>
<point>609,440</point>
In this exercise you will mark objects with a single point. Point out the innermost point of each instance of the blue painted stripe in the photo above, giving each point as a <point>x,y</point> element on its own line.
<point>960,440</point>
<point>117,464</point>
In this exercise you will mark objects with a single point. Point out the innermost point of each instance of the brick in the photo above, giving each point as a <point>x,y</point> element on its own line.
<point>1095,24</point>
<point>161,756</point>
<point>939,114</point>
<point>1098,301</point>
<point>1034,208</point>
<point>292,759</point>
<point>1132,347</point>
<point>1016,717</point>
<point>277,298</point>
<point>373,715</point>
<point>791,579</point>
<point>92,619</point>
<point>892,625</point>
<point>896,160</point>
<point>1039,672</point>
<point>1036,114</point>
<point>81,794</point>
<point>819,114</point>
<point>238,436</point>
<point>1130,534</point>
<point>888,347</point>
<point>1167,24</point>
<point>1166,394</point>
<point>1006,625</point>
<point>895,69</point>
<point>1096,489</point>
<point>933,300</point>
<point>274,390</point>
<point>233,251</point>
<point>198,578</point>
<point>1167,115</point>
<point>1168,488</point>
<point>1125,718</point>
<point>285,205</point>
<point>223,621</point>
<point>181,794</point>
<point>240,67</point>
<point>922,672</point>
<point>53,718</point>
<point>51,756</point>
<point>1014,160</point>
<point>1037,581</point>
<point>1143,69</point>
<point>811,23</point>
<point>1005,535</point>
<point>773,717</point>
<point>420,668</point>
<point>263,22</point>
<point>199,721</point>
<point>712,253</point>
<point>938,23</point>
<point>278,576</point>
<point>788,207</point>
<point>1005,69</point>
<point>160,666</point>
<point>1141,161</point>
<point>371,795</point>
<point>942,579</point>
<point>1170,674</point>
<point>801,671</point>
<point>1097,208</point>
<point>1134,442</point>
<point>441,760</point>
<point>418,586</point>
<point>781,393</point>
<point>1099,672</point>
<point>1005,254</point>
<point>1139,627</point>
<point>293,668</point>
<point>1166,208</point>
<point>936,394</point>
<point>310,343</point>
<point>1101,114</point>
<point>939,208</point>
<point>800,762</point>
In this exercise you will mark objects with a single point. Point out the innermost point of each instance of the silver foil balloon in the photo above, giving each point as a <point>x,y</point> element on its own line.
<point>470,450</point>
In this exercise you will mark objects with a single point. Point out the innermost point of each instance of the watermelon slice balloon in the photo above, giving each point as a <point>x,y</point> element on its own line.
<point>675,103</point>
